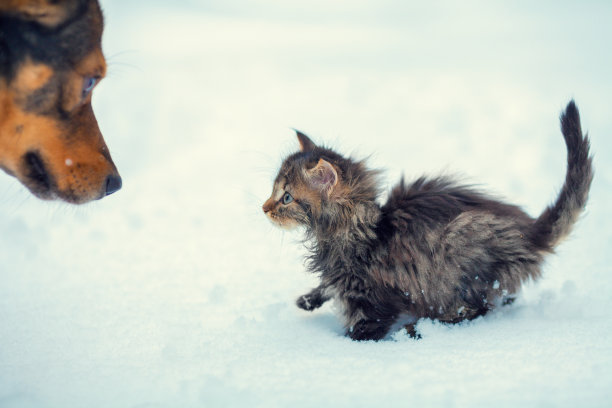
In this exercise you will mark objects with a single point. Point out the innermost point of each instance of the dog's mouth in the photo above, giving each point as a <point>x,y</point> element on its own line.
<point>37,178</point>
<point>79,188</point>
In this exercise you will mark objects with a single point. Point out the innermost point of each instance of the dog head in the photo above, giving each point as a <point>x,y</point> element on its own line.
<point>50,62</point>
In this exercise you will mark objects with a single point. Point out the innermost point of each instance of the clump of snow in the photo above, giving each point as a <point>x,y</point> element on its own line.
<point>176,291</point>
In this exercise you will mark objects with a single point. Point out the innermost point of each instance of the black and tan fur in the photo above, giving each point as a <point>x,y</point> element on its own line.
<point>50,61</point>
<point>435,249</point>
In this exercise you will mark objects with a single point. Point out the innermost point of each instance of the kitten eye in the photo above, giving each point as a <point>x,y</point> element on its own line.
<point>88,85</point>
<point>287,198</point>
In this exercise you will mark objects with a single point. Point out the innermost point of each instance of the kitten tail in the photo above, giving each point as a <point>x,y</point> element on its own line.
<point>556,222</point>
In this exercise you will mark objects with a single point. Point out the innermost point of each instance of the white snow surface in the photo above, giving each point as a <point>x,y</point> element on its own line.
<point>177,292</point>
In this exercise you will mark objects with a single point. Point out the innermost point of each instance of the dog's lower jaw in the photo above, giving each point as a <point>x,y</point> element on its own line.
<point>7,170</point>
<point>67,196</point>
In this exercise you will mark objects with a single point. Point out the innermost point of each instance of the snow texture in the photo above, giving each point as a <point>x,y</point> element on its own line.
<point>177,292</point>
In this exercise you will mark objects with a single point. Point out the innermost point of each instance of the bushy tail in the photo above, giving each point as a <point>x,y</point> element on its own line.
<point>556,222</point>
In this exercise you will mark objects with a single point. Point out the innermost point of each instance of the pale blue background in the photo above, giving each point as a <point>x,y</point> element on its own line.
<point>176,291</point>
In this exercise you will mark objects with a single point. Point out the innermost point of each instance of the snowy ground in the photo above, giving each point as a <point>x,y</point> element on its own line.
<point>177,292</point>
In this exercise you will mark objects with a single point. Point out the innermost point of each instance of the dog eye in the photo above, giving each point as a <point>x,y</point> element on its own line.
<point>88,85</point>
<point>287,198</point>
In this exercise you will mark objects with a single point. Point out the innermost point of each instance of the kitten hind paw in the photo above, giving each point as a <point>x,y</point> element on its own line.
<point>412,331</point>
<point>368,330</point>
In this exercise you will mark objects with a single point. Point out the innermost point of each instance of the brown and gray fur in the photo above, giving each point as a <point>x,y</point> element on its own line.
<point>435,249</point>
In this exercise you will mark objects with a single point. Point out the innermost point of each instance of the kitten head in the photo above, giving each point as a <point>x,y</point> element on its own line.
<point>313,181</point>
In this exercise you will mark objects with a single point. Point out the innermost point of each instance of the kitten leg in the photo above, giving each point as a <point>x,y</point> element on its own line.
<point>366,320</point>
<point>374,329</point>
<point>314,299</point>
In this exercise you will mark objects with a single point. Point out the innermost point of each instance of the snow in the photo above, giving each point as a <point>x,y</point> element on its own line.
<point>177,292</point>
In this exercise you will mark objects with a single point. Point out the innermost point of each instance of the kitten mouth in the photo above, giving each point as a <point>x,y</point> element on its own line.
<point>280,222</point>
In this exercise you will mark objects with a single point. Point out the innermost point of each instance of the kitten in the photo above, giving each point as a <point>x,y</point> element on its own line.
<point>435,249</point>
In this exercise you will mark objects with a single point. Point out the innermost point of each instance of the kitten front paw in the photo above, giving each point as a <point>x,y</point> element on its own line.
<point>308,302</point>
<point>313,299</point>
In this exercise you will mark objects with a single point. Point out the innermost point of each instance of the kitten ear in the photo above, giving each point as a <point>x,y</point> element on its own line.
<point>323,176</point>
<point>306,144</point>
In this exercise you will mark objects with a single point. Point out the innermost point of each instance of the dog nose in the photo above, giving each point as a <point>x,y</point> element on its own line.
<point>113,183</point>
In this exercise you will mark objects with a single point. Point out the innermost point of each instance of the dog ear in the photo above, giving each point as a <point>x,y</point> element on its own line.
<point>49,13</point>
<point>306,144</point>
<point>323,176</point>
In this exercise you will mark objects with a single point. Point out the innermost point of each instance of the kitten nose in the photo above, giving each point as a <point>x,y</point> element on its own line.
<point>267,206</point>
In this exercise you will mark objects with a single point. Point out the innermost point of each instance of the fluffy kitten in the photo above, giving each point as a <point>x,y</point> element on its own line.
<point>435,249</point>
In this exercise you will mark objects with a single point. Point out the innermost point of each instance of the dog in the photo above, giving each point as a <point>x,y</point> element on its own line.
<point>50,62</point>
